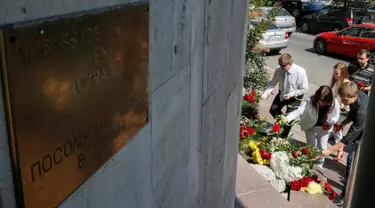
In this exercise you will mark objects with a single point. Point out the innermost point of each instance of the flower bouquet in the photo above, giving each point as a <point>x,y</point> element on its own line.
<point>256,130</point>
<point>313,185</point>
<point>250,104</point>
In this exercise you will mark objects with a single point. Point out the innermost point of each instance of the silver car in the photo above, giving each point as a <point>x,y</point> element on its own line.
<point>283,19</point>
<point>274,38</point>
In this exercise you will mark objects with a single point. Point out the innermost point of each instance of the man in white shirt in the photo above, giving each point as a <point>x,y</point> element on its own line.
<point>293,84</point>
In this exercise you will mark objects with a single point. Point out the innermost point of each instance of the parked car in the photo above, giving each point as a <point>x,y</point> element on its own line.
<point>283,20</point>
<point>274,38</point>
<point>334,19</point>
<point>347,42</point>
<point>298,8</point>
<point>310,8</point>
<point>292,6</point>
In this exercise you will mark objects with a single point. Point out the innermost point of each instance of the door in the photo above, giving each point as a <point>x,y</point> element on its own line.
<point>366,39</point>
<point>349,41</point>
<point>330,20</point>
<point>316,23</point>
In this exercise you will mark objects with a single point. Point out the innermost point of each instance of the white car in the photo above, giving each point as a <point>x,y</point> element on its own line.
<point>274,38</point>
<point>283,19</point>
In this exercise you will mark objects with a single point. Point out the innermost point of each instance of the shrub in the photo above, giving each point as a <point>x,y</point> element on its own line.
<point>256,75</point>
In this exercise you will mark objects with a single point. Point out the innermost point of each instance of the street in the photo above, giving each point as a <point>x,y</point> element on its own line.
<point>318,67</point>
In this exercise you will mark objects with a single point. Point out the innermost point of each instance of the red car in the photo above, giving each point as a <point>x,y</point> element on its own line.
<point>347,42</point>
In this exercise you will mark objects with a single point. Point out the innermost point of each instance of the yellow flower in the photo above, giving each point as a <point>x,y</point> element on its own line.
<point>253,145</point>
<point>266,162</point>
<point>265,139</point>
<point>314,188</point>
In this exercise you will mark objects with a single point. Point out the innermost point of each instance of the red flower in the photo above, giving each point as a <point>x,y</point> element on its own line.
<point>314,178</point>
<point>332,196</point>
<point>252,99</point>
<point>242,137</point>
<point>325,126</point>
<point>276,128</point>
<point>267,156</point>
<point>262,152</point>
<point>294,153</point>
<point>361,84</point>
<point>305,151</point>
<point>242,124</point>
<point>253,92</point>
<point>337,127</point>
<point>307,179</point>
<point>327,187</point>
<point>295,185</point>
<point>251,131</point>
<point>304,184</point>
<point>249,98</point>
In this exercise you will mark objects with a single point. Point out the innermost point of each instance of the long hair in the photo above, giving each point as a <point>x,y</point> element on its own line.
<point>325,94</point>
<point>343,75</point>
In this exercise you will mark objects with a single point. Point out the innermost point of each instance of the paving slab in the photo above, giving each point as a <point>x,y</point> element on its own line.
<point>252,190</point>
<point>310,200</point>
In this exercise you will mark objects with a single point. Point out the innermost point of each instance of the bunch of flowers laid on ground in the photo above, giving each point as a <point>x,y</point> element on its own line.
<point>256,130</point>
<point>291,161</point>
<point>252,97</point>
<point>313,185</point>
<point>250,104</point>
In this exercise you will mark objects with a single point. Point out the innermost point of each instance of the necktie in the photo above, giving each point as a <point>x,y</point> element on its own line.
<point>285,90</point>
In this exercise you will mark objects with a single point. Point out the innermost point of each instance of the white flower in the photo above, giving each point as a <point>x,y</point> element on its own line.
<point>280,165</point>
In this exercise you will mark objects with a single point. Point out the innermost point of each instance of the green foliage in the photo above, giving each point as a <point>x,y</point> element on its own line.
<point>256,77</point>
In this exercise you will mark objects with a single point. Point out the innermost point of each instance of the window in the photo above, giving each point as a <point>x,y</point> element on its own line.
<point>272,27</point>
<point>351,31</point>
<point>360,13</point>
<point>368,33</point>
<point>281,12</point>
<point>323,12</point>
<point>335,12</point>
<point>305,5</point>
<point>317,5</point>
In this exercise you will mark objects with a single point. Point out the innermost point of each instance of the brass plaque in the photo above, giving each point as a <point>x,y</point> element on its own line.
<point>77,92</point>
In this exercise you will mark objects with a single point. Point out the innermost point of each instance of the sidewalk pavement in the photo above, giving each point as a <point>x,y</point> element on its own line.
<point>334,171</point>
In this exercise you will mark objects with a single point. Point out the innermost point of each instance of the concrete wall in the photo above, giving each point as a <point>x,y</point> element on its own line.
<point>186,156</point>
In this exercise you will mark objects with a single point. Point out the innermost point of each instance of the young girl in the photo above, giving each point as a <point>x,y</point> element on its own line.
<point>317,116</point>
<point>340,75</point>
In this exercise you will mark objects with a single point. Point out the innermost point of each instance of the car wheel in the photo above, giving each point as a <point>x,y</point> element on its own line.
<point>372,58</point>
<point>321,46</point>
<point>305,27</point>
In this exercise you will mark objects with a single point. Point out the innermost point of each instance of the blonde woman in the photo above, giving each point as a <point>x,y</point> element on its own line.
<point>340,75</point>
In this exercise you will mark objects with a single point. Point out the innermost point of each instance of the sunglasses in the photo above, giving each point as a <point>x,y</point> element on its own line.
<point>283,65</point>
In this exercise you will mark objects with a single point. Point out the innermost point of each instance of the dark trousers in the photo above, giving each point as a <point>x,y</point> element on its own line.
<point>291,105</point>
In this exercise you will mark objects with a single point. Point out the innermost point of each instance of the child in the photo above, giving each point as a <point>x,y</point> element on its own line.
<point>357,101</point>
